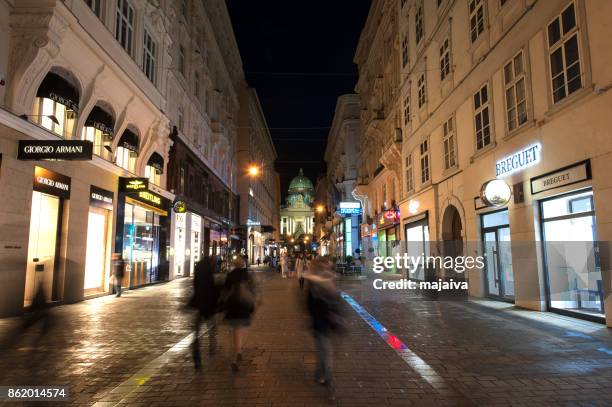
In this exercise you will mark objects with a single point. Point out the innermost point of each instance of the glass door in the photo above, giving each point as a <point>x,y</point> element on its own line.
<point>498,255</point>
<point>96,252</point>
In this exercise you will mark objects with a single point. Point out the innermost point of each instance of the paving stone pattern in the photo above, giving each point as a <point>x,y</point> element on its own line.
<point>481,355</point>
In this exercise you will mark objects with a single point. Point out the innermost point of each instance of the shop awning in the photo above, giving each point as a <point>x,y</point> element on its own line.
<point>60,90</point>
<point>101,120</point>
<point>156,161</point>
<point>129,140</point>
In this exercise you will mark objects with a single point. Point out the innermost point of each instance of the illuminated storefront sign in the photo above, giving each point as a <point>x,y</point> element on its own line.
<point>150,197</point>
<point>180,206</point>
<point>518,161</point>
<point>559,178</point>
<point>52,183</point>
<point>101,198</point>
<point>133,184</point>
<point>349,208</point>
<point>55,150</point>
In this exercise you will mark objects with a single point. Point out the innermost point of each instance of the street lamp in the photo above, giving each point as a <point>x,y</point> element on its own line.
<point>320,208</point>
<point>252,172</point>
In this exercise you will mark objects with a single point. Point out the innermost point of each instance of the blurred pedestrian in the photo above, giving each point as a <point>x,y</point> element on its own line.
<point>118,272</point>
<point>284,262</point>
<point>239,301</point>
<point>300,266</point>
<point>258,261</point>
<point>204,300</point>
<point>323,305</point>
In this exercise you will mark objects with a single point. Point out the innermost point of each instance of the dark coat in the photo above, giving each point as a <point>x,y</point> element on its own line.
<point>234,308</point>
<point>205,293</point>
<point>322,306</point>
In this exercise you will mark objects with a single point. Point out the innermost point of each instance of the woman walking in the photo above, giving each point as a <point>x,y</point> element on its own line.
<point>239,305</point>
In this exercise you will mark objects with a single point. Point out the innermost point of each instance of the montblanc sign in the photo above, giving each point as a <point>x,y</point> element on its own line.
<point>55,150</point>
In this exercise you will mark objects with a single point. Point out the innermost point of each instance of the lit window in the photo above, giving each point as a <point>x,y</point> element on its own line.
<point>422,91</point>
<point>125,24</point>
<point>444,59</point>
<point>149,56</point>
<point>481,117</point>
<point>566,75</point>
<point>180,119</point>
<point>425,176</point>
<point>153,175</point>
<point>514,81</point>
<point>449,144</point>
<point>66,117</point>
<point>476,9</point>
<point>126,159</point>
<point>419,23</point>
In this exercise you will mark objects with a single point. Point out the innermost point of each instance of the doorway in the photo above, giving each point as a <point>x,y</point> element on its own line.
<point>42,248</point>
<point>498,255</point>
<point>97,250</point>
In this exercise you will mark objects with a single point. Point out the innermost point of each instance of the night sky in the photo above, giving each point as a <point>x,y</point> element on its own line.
<point>299,57</point>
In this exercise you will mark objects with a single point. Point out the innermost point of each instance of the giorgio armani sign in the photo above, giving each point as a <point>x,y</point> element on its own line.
<point>55,150</point>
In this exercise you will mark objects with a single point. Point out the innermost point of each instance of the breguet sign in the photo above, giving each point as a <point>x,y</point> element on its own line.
<point>562,177</point>
<point>52,183</point>
<point>518,161</point>
<point>55,150</point>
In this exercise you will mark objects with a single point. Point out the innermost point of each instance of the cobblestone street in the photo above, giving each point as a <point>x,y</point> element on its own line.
<point>134,350</point>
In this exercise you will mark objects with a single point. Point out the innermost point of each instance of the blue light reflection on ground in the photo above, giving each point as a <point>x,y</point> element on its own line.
<point>391,339</point>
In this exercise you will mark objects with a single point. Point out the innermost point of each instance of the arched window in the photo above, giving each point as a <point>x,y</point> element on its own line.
<point>127,151</point>
<point>154,169</point>
<point>57,104</point>
<point>98,129</point>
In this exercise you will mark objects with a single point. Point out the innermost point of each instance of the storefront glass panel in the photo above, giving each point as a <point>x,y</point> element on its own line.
<point>141,244</point>
<point>42,247</point>
<point>572,261</point>
<point>97,253</point>
<point>417,238</point>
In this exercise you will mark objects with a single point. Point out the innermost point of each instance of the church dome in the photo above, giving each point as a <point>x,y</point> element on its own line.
<point>300,183</point>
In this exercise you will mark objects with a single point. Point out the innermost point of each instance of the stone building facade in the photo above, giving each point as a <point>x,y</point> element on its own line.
<point>133,78</point>
<point>516,91</point>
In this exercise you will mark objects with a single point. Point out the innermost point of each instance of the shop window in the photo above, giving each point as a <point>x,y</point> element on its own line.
<point>153,174</point>
<point>573,267</point>
<point>57,102</point>
<point>476,10</point>
<point>450,157</point>
<point>196,85</point>
<point>516,103</point>
<point>98,129</point>
<point>149,56</point>
<point>565,70</point>
<point>124,27</point>
<point>127,151</point>
<point>481,118</point>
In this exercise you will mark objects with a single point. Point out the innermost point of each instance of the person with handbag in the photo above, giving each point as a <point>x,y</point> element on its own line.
<point>204,300</point>
<point>239,301</point>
